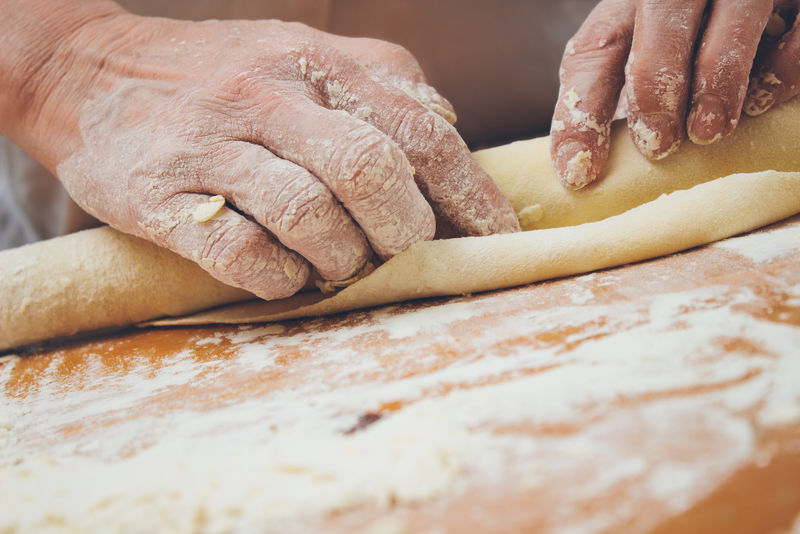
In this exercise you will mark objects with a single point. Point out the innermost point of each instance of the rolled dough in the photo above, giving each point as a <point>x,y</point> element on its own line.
<point>678,221</point>
<point>100,278</point>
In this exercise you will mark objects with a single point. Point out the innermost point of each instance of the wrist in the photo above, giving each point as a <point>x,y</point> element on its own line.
<point>50,52</point>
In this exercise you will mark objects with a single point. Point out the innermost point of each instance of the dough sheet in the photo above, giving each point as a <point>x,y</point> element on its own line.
<point>678,221</point>
<point>101,278</point>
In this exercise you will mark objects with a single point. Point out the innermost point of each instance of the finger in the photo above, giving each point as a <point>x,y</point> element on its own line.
<point>658,73</point>
<point>364,169</point>
<point>445,171</point>
<point>293,205</point>
<point>592,76</point>
<point>722,67</point>
<point>231,248</point>
<point>777,78</point>
<point>425,95</point>
<point>397,66</point>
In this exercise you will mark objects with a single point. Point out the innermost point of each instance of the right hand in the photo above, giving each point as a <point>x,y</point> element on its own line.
<point>685,65</point>
<point>325,148</point>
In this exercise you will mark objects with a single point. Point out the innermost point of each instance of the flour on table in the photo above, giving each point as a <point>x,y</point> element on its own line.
<point>628,391</point>
<point>763,246</point>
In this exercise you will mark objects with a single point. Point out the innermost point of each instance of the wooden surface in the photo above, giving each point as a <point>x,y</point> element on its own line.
<point>657,397</point>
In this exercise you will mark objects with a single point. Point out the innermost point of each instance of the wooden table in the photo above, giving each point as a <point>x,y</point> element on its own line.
<point>657,397</point>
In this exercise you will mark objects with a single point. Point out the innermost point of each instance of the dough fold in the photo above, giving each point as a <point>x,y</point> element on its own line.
<point>101,278</point>
<point>524,173</point>
<point>678,221</point>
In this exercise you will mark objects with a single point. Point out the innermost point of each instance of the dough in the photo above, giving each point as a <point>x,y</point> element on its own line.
<point>97,279</point>
<point>100,278</point>
<point>525,175</point>
<point>678,221</point>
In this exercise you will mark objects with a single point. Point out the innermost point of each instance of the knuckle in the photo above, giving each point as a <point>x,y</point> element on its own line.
<point>239,83</point>
<point>160,215</point>
<point>401,56</point>
<point>314,225</point>
<point>305,212</point>
<point>242,94</point>
<point>420,130</point>
<point>599,39</point>
<point>724,70</point>
<point>234,251</point>
<point>370,167</point>
<point>656,89</point>
<point>246,258</point>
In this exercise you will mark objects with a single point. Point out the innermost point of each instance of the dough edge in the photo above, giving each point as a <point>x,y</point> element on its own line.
<point>674,222</point>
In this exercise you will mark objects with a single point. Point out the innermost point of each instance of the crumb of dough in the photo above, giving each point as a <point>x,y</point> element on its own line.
<point>571,99</point>
<point>649,140</point>
<point>209,209</point>
<point>770,78</point>
<point>303,64</point>
<point>530,215</point>
<point>758,101</point>
<point>577,168</point>
<point>776,26</point>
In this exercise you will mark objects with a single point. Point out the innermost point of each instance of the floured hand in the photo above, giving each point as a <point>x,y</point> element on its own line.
<point>323,148</point>
<point>685,66</point>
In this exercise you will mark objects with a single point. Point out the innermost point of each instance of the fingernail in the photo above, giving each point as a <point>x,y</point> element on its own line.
<point>708,120</point>
<point>655,135</point>
<point>436,102</point>
<point>574,164</point>
<point>762,94</point>
<point>448,114</point>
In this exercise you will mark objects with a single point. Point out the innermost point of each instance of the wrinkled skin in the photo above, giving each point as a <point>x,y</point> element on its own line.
<point>685,65</point>
<point>326,148</point>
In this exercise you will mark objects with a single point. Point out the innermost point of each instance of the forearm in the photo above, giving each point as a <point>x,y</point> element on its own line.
<point>47,51</point>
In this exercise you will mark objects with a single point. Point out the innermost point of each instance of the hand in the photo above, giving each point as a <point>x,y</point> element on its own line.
<point>324,148</point>
<point>685,66</point>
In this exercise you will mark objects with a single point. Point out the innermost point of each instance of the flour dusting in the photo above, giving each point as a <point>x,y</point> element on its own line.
<point>763,246</point>
<point>606,390</point>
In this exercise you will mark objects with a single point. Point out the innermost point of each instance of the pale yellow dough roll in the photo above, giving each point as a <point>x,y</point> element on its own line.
<point>524,172</point>
<point>100,278</point>
<point>678,221</point>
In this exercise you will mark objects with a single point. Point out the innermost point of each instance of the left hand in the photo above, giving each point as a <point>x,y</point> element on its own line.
<point>256,149</point>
